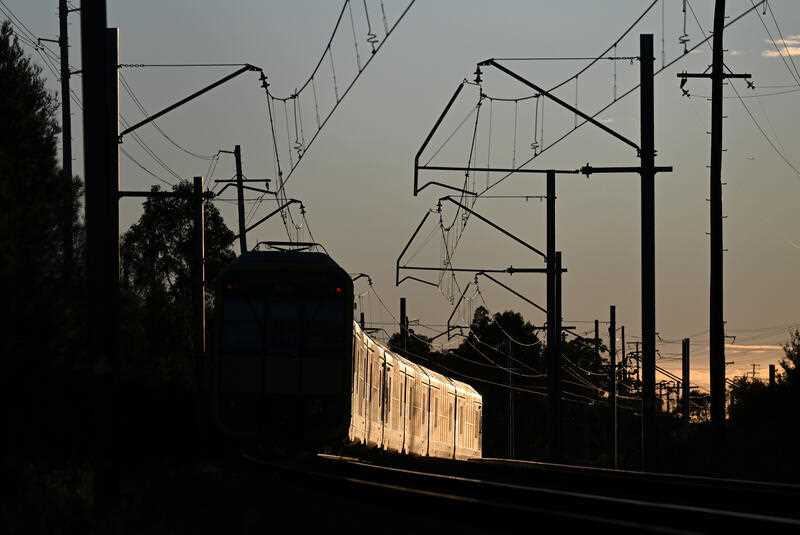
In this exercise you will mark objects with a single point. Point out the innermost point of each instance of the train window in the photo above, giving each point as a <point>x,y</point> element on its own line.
<point>253,323</point>
<point>450,417</point>
<point>388,398</point>
<point>243,323</point>
<point>324,323</point>
<point>283,327</point>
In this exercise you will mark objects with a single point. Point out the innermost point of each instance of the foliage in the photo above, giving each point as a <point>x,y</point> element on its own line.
<point>500,334</point>
<point>157,256</point>
<point>791,364</point>
<point>417,345</point>
<point>581,352</point>
<point>32,192</point>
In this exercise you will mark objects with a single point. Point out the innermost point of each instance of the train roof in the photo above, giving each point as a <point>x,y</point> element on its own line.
<point>282,260</point>
<point>461,387</point>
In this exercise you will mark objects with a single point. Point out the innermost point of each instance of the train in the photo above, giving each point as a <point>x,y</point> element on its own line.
<point>293,372</point>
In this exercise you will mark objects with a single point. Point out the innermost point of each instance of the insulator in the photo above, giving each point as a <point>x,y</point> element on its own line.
<point>478,73</point>
<point>372,39</point>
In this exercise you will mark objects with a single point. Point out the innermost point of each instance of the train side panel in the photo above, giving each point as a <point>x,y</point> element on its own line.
<point>417,437</point>
<point>403,407</point>
<point>442,414</point>
<point>468,426</point>
<point>393,422</point>
<point>358,405</point>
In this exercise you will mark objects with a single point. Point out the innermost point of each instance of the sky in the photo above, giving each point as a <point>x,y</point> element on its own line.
<point>355,180</point>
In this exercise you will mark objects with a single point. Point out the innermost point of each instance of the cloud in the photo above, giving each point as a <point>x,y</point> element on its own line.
<point>735,52</point>
<point>787,51</point>
<point>789,46</point>
<point>789,41</point>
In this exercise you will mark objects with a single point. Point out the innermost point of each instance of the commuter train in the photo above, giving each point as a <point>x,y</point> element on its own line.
<point>293,372</point>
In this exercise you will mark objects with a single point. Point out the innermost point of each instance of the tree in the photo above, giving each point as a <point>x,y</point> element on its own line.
<point>31,193</point>
<point>501,333</point>
<point>417,345</point>
<point>791,364</point>
<point>157,256</point>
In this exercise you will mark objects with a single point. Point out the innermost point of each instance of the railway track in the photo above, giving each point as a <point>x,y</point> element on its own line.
<point>480,498</point>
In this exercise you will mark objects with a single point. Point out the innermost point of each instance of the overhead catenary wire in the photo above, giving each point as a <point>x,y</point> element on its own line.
<point>606,107</point>
<point>340,96</point>
<point>750,114</point>
<point>537,153</point>
<point>780,50</point>
<point>135,99</point>
<point>47,55</point>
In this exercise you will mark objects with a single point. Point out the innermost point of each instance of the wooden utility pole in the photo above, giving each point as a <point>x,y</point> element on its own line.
<point>772,376</point>
<point>511,421</point>
<point>553,322</point>
<point>685,380</point>
<point>199,276</point>
<point>66,138</point>
<point>624,357</point>
<point>716,314</point>
<point>111,247</point>
<point>554,342</point>
<point>403,324</point>
<point>612,383</point>
<point>648,174</point>
<point>597,339</point>
<point>237,154</point>
<point>647,171</point>
<point>101,173</point>
<point>93,46</point>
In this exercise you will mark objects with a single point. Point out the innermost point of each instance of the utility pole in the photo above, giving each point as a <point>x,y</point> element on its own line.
<point>624,358</point>
<point>511,452</point>
<point>403,324</point>
<point>685,379</point>
<point>597,339</point>
<point>362,322</point>
<point>553,322</point>
<point>66,138</point>
<point>648,173</point>
<point>716,315</point>
<point>772,376</point>
<point>612,355</point>
<point>93,26</point>
<point>199,277</point>
<point>101,172</point>
<point>755,369</point>
<point>237,154</point>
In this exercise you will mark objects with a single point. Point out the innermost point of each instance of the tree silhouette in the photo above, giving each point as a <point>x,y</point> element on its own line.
<point>157,256</point>
<point>417,345</point>
<point>791,364</point>
<point>32,197</point>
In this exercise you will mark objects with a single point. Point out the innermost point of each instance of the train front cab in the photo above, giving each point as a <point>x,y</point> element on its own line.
<point>282,371</point>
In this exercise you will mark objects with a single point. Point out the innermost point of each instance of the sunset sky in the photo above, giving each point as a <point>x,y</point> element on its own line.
<point>356,178</point>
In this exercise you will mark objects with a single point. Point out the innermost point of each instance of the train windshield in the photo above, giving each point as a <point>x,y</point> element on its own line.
<point>296,326</point>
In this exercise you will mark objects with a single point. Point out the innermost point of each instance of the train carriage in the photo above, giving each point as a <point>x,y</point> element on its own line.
<point>292,370</point>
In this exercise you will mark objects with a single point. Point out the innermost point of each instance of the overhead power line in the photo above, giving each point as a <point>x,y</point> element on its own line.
<point>129,90</point>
